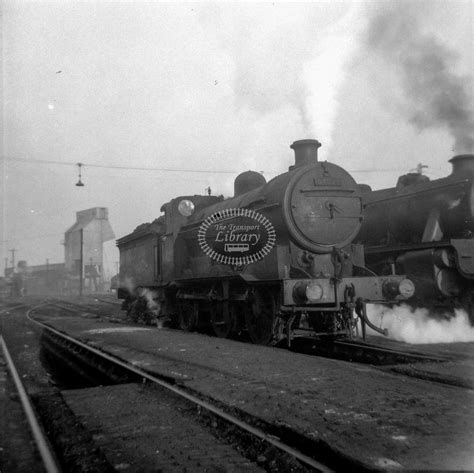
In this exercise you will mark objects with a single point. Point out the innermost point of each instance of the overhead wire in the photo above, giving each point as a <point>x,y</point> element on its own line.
<point>164,169</point>
<point>113,166</point>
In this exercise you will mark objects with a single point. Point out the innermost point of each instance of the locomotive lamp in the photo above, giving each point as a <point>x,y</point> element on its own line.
<point>304,292</point>
<point>404,288</point>
<point>314,292</point>
<point>186,208</point>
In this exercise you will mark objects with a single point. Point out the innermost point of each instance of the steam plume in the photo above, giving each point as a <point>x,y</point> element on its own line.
<point>419,326</point>
<point>268,45</point>
<point>281,59</point>
<point>326,73</point>
<point>437,96</point>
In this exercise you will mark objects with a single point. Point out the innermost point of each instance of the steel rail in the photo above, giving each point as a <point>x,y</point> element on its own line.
<point>392,352</point>
<point>74,306</point>
<point>306,460</point>
<point>15,307</point>
<point>41,441</point>
<point>31,305</point>
<point>111,301</point>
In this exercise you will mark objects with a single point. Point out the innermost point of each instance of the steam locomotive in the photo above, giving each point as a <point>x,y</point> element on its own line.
<point>425,229</point>
<point>275,260</point>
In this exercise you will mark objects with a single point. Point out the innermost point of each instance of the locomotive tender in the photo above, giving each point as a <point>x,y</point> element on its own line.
<point>425,229</point>
<point>275,259</point>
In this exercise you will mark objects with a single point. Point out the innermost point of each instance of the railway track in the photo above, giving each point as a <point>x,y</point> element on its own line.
<point>397,358</point>
<point>86,304</point>
<point>115,401</point>
<point>366,352</point>
<point>42,447</point>
<point>115,301</point>
<point>95,367</point>
<point>425,366</point>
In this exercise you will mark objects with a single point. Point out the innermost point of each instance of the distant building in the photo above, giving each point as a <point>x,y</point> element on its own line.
<point>92,228</point>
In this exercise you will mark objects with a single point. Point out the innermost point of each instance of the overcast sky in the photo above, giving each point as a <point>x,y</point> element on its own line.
<point>211,90</point>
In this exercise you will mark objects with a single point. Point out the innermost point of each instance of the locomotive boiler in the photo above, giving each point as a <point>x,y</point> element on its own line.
<point>276,259</point>
<point>425,229</point>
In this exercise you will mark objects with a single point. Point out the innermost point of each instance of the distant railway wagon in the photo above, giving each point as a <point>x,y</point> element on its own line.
<point>276,259</point>
<point>45,279</point>
<point>33,280</point>
<point>52,278</point>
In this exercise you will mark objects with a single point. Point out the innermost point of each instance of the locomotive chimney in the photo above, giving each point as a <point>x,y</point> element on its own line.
<point>306,152</point>
<point>462,164</point>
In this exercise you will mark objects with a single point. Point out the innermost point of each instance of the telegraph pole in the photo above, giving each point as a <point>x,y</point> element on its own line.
<point>81,270</point>
<point>47,273</point>
<point>13,250</point>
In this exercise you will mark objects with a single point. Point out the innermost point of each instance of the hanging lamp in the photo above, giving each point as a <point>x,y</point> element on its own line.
<point>79,183</point>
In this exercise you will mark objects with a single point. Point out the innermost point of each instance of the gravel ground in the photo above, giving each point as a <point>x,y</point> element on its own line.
<point>379,419</point>
<point>17,451</point>
<point>17,448</point>
<point>142,430</point>
<point>108,428</point>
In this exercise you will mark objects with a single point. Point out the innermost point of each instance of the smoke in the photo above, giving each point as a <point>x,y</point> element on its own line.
<point>419,326</point>
<point>436,96</point>
<point>268,45</point>
<point>282,59</point>
<point>128,283</point>
<point>152,303</point>
<point>327,72</point>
